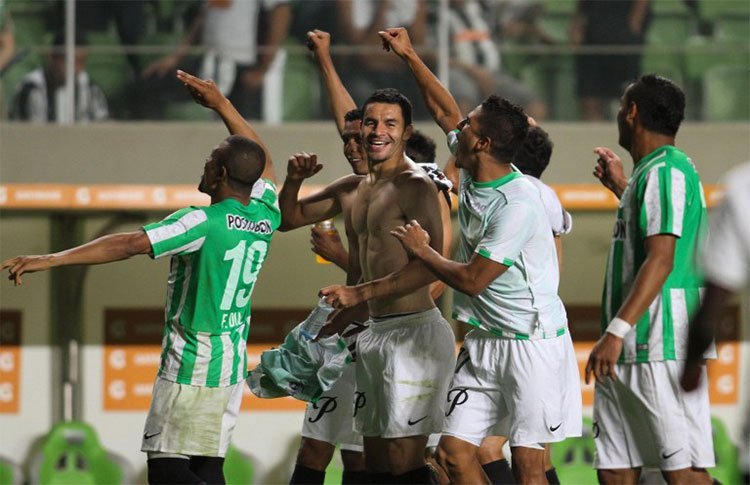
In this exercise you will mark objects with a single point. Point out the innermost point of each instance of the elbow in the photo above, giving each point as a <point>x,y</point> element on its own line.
<point>471,289</point>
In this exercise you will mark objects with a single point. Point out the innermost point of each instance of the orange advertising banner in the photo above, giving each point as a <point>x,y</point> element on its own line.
<point>171,197</point>
<point>10,361</point>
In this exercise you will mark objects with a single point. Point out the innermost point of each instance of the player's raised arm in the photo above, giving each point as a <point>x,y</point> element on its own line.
<point>206,93</point>
<point>106,249</point>
<point>319,206</point>
<point>319,43</point>
<point>439,101</point>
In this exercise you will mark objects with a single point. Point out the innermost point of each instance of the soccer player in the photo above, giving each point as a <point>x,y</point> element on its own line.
<point>519,361</point>
<point>652,288</point>
<point>726,265</point>
<point>216,253</point>
<point>532,159</point>
<point>404,360</point>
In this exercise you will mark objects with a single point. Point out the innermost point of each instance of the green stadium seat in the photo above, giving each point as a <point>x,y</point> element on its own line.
<point>299,97</point>
<point>669,29</point>
<point>711,10</point>
<point>72,454</point>
<point>239,468</point>
<point>734,29</point>
<point>10,473</point>
<point>660,7</point>
<point>187,111</point>
<point>574,458</point>
<point>726,93</point>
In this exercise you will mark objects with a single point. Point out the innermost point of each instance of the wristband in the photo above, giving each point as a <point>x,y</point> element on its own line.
<point>619,327</point>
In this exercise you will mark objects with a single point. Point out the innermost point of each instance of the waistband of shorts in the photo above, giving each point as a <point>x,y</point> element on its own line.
<point>539,333</point>
<point>381,324</point>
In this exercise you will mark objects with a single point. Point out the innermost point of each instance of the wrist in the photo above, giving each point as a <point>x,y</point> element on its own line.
<point>421,251</point>
<point>618,327</point>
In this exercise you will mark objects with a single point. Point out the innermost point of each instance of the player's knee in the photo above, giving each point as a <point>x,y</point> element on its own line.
<point>314,454</point>
<point>491,449</point>
<point>453,455</point>
<point>528,460</point>
<point>687,475</point>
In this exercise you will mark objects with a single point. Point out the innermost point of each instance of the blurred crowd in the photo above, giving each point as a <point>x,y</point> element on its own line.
<point>559,59</point>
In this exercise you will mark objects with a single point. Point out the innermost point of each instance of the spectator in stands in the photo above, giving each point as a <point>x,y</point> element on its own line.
<point>40,95</point>
<point>129,17</point>
<point>7,42</point>
<point>475,61</point>
<point>371,69</point>
<point>229,31</point>
<point>601,77</point>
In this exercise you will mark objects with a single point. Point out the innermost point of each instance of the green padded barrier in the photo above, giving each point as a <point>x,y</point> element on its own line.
<point>335,470</point>
<point>71,454</point>
<point>10,473</point>
<point>726,93</point>
<point>574,458</point>
<point>727,466</point>
<point>239,468</point>
<point>711,10</point>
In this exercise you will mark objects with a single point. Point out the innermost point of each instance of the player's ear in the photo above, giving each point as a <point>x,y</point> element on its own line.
<point>408,132</point>
<point>483,144</point>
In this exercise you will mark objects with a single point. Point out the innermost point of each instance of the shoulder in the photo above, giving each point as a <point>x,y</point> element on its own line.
<point>347,183</point>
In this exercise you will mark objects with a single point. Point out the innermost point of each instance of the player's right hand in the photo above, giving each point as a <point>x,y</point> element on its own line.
<point>302,165</point>
<point>396,39</point>
<point>204,91</point>
<point>609,170</point>
<point>318,41</point>
<point>25,264</point>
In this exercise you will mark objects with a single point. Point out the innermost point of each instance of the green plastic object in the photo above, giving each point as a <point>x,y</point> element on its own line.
<point>72,454</point>
<point>727,466</point>
<point>239,468</point>
<point>574,458</point>
<point>10,473</point>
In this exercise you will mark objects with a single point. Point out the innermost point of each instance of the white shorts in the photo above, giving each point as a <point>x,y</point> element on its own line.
<point>331,418</point>
<point>527,390</point>
<point>645,419</point>
<point>404,366</point>
<point>191,420</point>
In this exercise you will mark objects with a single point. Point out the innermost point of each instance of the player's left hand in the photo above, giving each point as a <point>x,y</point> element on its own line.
<point>339,296</point>
<point>412,236</point>
<point>25,264</point>
<point>603,358</point>
<point>204,91</point>
<point>691,376</point>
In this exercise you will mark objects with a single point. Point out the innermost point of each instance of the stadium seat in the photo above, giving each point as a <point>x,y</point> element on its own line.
<point>10,473</point>
<point>72,454</point>
<point>727,469</point>
<point>711,10</point>
<point>574,458</point>
<point>299,83</point>
<point>239,468</point>
<point>726,93</point>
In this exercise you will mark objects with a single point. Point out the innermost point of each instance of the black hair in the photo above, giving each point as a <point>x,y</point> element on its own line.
<point>535,153</point>
<point>505,124</point>
<point>660,102</point>
<point>244,161</point>
<point>390,96</point>
<point>353,115</point>
<point>420,148</point>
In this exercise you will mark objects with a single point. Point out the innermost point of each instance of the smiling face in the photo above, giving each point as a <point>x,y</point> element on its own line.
<point>353,149</point>
<point>384,132</point>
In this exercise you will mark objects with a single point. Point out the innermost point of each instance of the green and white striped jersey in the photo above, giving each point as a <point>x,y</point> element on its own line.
<point>217,252</point>
<point>663,196</point>
<point>505,221</point>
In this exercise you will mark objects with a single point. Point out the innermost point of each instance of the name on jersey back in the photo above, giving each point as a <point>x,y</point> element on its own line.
<point>240,223</point>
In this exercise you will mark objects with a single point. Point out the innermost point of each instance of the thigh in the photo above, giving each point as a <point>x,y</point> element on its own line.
<point>330,417</point>
<point>540,391</point>
<point>474,402</point>
<point>369,371</point>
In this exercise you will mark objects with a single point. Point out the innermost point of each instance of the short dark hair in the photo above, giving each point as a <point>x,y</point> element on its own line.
<point>244,161</point>
<point>505,124</point>
<point>353,115</point>
<point>420,148</point>
<point>660,102</point>
<point>390,96</point>
<point>535,153</point>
